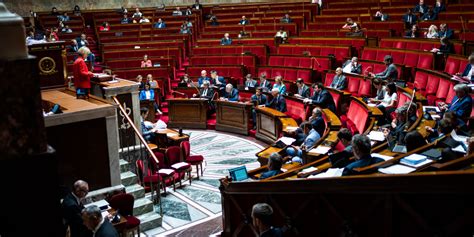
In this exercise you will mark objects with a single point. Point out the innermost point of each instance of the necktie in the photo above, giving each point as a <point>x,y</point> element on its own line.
<point>409,19</point>
<point>204,93</point>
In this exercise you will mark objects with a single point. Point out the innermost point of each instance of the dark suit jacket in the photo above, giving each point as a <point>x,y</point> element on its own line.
<point>106,230</point>
<point>462,107</point>
<point>429,17</point>
<point>244,22</point>
<point>251,83</point>
<point>233,95</point>
<point>363,162</point>
<point>390,73</point>
<point>278,103</point>
<point>357,69</point>
<point>409,34</point>
<point>439,9</point>
<point>208,95</point>
<point>305,92</point>
<point>414,18</point>
<point>419,7</point>
<point>466,71</point>
<point>260,101</point>
<point>448,48</point>
<point>195,6</point>
<point>72,216</point>
<point>266,85</point>
<point>448,34</point>
<point>202,79</point>
<point>225,41</point>
<point>319,125</point>
<point>324,99</point>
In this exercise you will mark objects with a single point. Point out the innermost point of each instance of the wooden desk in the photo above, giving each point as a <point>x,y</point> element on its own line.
<point>174,139</point>
<point>187,113</point>
<point>268,125</point>
<point>264,155</point>
<point>233,117</point>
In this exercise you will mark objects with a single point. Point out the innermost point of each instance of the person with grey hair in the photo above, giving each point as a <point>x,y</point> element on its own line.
<point>461,104</point>
<point>93,220</point>
<point>352,66</point>
<point>278,102</point>
<point>390,73</point>
<point>274,166</point>
<point>82,75</point>
<point>262,220</point>
<point>205,91</point>
<point>230,93</point>
<point>361,148</point>
<point>72,206</point>
<point>339,81</point>
<point>316,119</point>
<point>468,72</point>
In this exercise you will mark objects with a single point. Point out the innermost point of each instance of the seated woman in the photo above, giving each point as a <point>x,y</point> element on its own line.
<point>388,104</point>
<point>413,33</point>
<point>148,95</point>
<point>274,166</point>
<point>339,82</point>
<point>104,27</point>
<point>281,36</point>
<point>279,85</point>
<point>146,62</point>
<point>432,32</point>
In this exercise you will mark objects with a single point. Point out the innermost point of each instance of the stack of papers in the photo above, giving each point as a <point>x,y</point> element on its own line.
<point>320,150</point>
<point>291,129</point>
<point>308,170</point>
<point>170,134</point>
<point>384,157</point>
<point>397,169</point>
<point>414,159</point>
<point>376,136</point>
<point>287,140</point>
<point>332,172</point>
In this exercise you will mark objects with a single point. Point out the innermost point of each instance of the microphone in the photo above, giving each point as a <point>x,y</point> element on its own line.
<point>411,101</point>
<point>180,93</point>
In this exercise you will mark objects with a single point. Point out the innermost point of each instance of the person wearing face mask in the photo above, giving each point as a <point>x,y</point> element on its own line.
<point>352,66</point>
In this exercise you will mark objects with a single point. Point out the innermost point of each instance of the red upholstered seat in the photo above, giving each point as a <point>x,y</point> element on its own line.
<point>365,88</point>
<point>358,114</point>
<point>173,154</point>
<point>191,159</point>
<point>123,203</point>
<point>425,61</point>
<point>336,97</point>
<point>353,85</point>
<point>296,110</point>
<point>402,98</point>
<point>328,79</point>
<point>443,88</point>
<point>451,94</point>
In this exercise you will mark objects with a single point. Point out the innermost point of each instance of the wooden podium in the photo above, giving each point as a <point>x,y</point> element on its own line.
<point>268,124</point>
<point>51,63</point>
<point>187,113</point>
<point>233,117</point>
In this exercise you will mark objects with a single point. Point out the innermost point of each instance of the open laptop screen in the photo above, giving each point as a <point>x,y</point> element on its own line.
<point>238,173</point>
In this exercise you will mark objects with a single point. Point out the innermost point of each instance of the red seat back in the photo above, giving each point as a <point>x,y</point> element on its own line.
<point>353,85</point>
<point>365,88</point>
<point>359,115</point>
<point>173,153</point>
<point>123,202</point>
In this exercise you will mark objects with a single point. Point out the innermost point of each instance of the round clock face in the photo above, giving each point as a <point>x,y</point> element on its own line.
<point>47,65</point>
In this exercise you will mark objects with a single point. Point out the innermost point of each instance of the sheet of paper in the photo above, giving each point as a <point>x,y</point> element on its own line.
<point>458,138</point>
<point>320,150</point>
<point>170,134</point>
<point>397,169</point>
<point>376,136</point>
<point>415,157</point>
<point>291,128</point>
<point>287,140</point>
<point>309,169</point>
<point>384,157</point>
<point>459,149</point>
<point>332,172</point>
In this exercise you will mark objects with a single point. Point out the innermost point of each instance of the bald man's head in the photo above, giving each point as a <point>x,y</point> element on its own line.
<point>81,188</point>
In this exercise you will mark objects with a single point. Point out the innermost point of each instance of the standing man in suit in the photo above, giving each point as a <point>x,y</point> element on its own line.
<point>352,66</point>
<point>226,40</point>
<point>461,104</point>
<point>94,221</point>
<point>303,89</point>
<point>421,8</point>
<point>390,73</point>
<point>250,82</point>
<point>264,84</point>
<point>72,208</point>
<point>231,94</point>
<point>257,99</point>
<point>217,81</point>
<point>409,19</point>
<point>278,102</point>
<point>203,78</point>
<point>197,5</point>
<point>321,97</point>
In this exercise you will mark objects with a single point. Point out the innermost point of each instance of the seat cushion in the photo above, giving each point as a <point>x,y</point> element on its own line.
<point>132,222</point>
<point>195,159</point>
<point>166,172</point>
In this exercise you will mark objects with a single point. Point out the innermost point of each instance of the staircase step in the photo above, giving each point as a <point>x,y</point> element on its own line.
<point>136,190</point>
<point>149,221</point>
<point>128,178</point>
<point>142,206</point>
<point>125,166</point>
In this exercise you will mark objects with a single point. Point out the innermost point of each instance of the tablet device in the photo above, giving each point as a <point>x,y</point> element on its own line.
<point>238,173</point>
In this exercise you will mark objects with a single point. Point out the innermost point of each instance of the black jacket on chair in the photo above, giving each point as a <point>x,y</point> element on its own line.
<point>106,230</point>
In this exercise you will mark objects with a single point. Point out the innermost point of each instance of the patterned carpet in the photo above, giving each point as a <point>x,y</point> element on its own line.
<point>200,202</point>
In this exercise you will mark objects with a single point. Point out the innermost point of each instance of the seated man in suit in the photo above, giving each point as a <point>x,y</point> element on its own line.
<point>312,136</point>
<point>352,66</point>
<point>146,126</point>
<point>409,19</point>
<point>230,93</point>
<point>468,72</point>
<point>286,19</point>
<point>93,220</point>
<point>341,159</point>
<point>217,81</point>
<point>274,166</point>
<point>72,207</point>
<point>160,24</point>
<point>439,7</point>
<point>278,102</point>
<point>264,84</point>
<point>303,89</point>
<point>203,78</point>
<point>205,91</point>
<point>316,119</point>
<point>258,99</point>
<point>226,40</point>
<point>390,73</point>
<point>339,81</point>
<point>125,19</point>
<point>262,220</point>
<point>244,21</point>
<point>421,7</point>
<point>250,82</point>
<point>321,97</point>
<point>361,148</point>
<point>444,31</point>
<point>461,103</point>
<point>429,15</point>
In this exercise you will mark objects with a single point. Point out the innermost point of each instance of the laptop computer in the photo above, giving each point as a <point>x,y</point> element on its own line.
<point>239,173</point>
